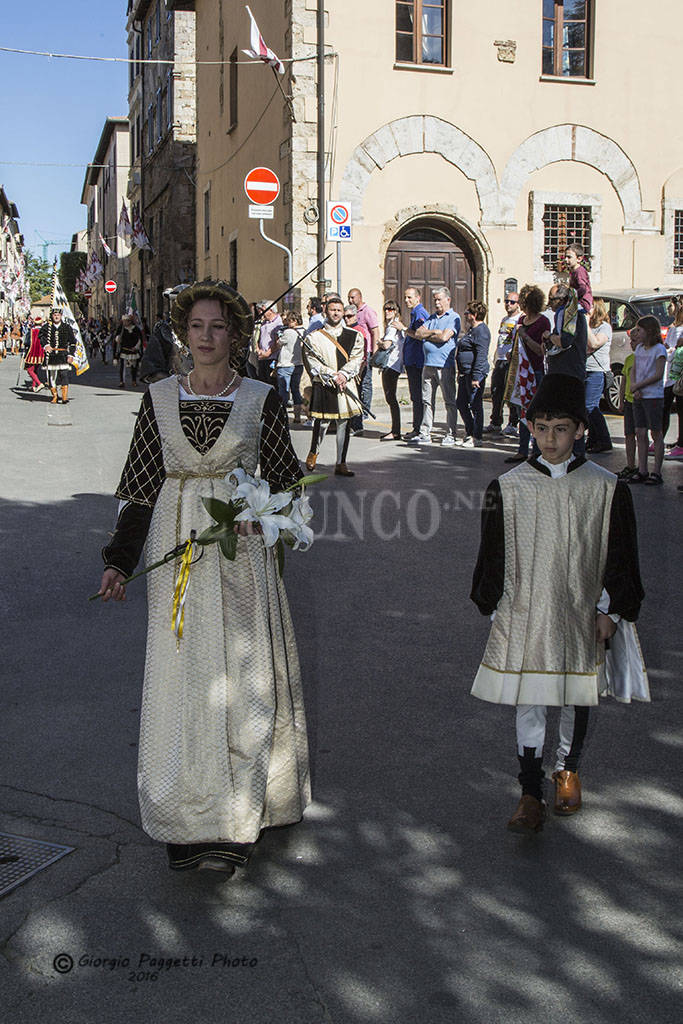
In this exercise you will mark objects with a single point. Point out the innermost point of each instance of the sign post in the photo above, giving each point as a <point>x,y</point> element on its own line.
<point>338,219</point>
<point>262,187</point>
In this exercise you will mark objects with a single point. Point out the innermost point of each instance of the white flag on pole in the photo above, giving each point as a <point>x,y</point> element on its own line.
<point>259,50</point>
<point>60,301</point>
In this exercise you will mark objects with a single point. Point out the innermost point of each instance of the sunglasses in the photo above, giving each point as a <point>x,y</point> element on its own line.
<point>349,316</point>
<point>510,302</point>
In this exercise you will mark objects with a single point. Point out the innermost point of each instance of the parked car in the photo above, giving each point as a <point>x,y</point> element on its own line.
<point>626,306</point>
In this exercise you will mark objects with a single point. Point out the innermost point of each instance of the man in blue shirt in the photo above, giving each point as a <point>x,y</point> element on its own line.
<point>438,336</point>
<point>413,355</point>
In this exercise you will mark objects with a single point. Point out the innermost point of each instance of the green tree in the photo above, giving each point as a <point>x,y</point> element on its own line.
<point>70,265</point>
<point>39,276</point>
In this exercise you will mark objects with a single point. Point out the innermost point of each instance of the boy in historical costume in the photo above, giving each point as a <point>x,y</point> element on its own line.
<point>558,574</point>
<point>333,356</point>
<point>59,343</point>
<point>34,354</point>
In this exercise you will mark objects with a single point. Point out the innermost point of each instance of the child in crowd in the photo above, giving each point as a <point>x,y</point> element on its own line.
<point>578,275</point>
<point>558,574</point>
<point>630,469</point>
<point>647,386</point>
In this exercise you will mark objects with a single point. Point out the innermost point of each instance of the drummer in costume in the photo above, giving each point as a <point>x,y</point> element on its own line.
<point>223,750</point>
<point>333,355</point>
<point>59,343</point>
<point>558,575</point>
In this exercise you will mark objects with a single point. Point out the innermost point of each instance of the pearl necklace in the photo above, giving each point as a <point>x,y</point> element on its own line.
<point>219,393</point>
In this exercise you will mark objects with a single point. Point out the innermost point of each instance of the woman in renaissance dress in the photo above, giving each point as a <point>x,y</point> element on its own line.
<point>223,747</point>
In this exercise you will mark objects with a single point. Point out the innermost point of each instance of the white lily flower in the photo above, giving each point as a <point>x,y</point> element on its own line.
<point>300,515</point>
<point>262,507</point>
<point>236,477</point>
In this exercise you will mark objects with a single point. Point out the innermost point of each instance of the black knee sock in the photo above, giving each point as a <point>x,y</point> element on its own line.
<point>531,773</point>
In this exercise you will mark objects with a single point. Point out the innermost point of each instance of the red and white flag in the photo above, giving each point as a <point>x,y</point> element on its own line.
<point>259,50</point>
<point>526,379</point>
<point>109,252</point>
<point>123,228</point>
<point>139,234</point>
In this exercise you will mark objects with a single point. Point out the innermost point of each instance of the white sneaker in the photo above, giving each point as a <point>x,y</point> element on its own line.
<point>421,439</point>
<point>510,431</point>
<point>467,442</point>
<point>448,441</point>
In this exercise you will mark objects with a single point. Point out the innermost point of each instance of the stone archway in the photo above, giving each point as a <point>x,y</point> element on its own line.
<point>425,254</point>
<point>585,145</point>
<point>420,134</point>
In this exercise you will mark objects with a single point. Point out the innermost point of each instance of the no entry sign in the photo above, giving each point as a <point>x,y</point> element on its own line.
<point>262,186</point>
<point>110,286</point>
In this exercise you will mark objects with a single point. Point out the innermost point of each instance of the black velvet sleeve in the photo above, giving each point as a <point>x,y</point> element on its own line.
<point>489,572</point>
<point>143,473</point>
<point>622,571</point>
<point>279,462</point>
<point>141,481</point>
<point>125,548</point>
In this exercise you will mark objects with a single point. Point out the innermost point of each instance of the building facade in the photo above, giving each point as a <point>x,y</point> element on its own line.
<point>162,115</point>
<point>14,300</point>
<point>472,143</point>
<point>104,189</point>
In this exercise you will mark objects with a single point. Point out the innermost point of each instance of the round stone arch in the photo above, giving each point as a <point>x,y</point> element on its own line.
<point>420,133</point>
<point>585,145</point>
<point>476,242</point>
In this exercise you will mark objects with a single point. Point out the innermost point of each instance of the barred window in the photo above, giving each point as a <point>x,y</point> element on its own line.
<point>563,225</point>
<point>678,241</point>
<point>566,38</point>
<point>421,31</point>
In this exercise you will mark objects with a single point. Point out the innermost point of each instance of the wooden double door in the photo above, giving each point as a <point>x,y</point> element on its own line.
<point>428,265</point>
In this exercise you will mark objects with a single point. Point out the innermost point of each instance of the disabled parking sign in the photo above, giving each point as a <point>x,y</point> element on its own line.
<point>338,222</point>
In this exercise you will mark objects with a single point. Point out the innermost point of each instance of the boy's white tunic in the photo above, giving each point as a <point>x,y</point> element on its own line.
<point>223,747</point>
<point>542,648</point>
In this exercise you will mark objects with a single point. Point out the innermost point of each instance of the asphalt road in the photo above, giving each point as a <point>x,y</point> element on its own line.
<point>401,897</point>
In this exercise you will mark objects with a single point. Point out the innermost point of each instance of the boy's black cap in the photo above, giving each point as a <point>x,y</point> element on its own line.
<point>559,395</point>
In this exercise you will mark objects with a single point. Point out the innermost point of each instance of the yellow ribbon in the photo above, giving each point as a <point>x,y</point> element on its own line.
<point>182,583</point>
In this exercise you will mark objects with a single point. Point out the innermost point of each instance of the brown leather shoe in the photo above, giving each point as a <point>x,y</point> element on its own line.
<point>341,469</point>
<point>54,396</point>
<point>567,792</point>
<point>529,816</point>
<point>311,460</point>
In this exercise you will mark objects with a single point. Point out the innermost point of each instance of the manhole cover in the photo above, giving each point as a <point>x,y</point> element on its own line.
<point>20,858</point>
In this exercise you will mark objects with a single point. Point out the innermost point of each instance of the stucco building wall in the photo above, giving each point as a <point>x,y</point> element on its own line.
<point>480,145</point>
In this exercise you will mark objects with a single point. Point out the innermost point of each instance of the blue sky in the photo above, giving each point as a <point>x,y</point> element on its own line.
<point>55,109</point>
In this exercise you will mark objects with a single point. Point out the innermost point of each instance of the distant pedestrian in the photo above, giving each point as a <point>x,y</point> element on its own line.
<point>597,366</point>
<point>34,353</point>
<point>413,356</point>
<point>531,328</point>
<point>316,317</point>
<point>128,348</point>
<point>271,325</point>
<point>438,336</point>
<point>59,343</point>
<point>647,385</point>
<point>471,358</point>
<point>500,369</point>
<point>290,366</point>
<point>391,351</point>
<point>333,356</point>
<point>369,327</point>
